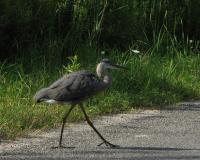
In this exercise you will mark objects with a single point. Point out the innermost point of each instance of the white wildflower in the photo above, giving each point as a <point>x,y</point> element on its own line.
<point>135,51</point>
<point>103,52</point>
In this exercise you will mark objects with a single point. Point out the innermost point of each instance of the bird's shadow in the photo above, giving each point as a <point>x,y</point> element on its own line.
<point>101,153</point>
<point>155,148</point>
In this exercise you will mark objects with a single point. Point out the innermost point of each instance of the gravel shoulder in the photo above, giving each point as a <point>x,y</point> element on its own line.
<point>172,133</point>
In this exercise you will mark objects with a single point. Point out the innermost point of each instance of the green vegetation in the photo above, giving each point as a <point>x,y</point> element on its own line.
<point>65,24</point>
<point>151,81</point>
<point>41,41</point>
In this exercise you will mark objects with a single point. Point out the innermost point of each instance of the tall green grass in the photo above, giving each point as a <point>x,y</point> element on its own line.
<point>111,24</point>
<point>151,80</point>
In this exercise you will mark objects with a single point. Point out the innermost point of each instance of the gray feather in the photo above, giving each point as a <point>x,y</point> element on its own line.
<point>75,86</point>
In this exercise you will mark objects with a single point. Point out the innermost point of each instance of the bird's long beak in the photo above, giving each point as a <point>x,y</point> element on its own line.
<point>118,66</point>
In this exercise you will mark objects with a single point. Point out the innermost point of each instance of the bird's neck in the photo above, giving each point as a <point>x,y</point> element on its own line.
<point>103,75</point>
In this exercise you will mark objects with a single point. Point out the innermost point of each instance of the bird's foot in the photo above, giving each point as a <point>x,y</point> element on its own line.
<point>108,144</point>
<point>61,147</point>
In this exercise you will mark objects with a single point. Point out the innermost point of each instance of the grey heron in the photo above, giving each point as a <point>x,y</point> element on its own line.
<point>74,88</point>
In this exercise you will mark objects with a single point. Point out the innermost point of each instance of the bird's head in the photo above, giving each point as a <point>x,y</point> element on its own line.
<point>106,64</point>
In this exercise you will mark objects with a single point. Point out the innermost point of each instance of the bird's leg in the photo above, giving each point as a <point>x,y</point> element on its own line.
<point>91,124</point>
<point>63,125</point>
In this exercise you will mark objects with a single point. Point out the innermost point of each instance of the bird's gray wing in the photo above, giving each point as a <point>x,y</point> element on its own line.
<point>74,87</point>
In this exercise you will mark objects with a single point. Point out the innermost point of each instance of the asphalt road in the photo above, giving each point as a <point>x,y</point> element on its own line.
<point>172,133</point>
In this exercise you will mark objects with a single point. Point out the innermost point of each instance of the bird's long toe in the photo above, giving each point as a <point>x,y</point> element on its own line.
<point>108,144</point>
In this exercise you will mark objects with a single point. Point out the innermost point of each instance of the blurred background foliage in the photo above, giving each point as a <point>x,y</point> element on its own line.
<point>67,24</point>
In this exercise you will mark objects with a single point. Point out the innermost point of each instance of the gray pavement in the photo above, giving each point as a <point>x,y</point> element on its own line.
<point>172,133</point>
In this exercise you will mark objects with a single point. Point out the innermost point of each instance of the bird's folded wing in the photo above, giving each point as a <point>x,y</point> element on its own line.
<point>73,86</point>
